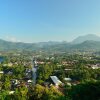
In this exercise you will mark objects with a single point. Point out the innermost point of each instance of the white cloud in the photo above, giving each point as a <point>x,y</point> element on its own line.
<point>98,34</point>
<point>12,39</point>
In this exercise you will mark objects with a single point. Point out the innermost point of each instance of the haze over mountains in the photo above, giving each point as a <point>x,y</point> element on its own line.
<point>88,42</point>
<point>81,39</point>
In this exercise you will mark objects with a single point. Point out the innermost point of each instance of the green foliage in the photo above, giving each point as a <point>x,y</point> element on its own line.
<point>6,84</point>
<point>44,72</point>
<point>44,93</point>
<point>86,91</point>
<point>21,93</point>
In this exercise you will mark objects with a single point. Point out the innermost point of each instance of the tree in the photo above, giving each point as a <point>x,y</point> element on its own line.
<point>86,91</point>
<point>7,84</point>
<point>21,93</point>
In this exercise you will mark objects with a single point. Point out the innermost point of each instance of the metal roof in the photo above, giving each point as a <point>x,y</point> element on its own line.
<point>55,80</point>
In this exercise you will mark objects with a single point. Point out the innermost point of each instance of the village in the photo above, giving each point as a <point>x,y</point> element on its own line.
<point>53,70</point>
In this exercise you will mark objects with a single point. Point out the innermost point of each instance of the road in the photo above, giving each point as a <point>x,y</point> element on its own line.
<point>34,71</point>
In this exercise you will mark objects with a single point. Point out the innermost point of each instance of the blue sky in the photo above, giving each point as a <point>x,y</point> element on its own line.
<point>45,20</point>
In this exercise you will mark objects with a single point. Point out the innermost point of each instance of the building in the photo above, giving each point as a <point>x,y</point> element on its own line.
<point>55,80</point>
<point>96,66</point>
<point>67,79</point>
<point>1,72</point>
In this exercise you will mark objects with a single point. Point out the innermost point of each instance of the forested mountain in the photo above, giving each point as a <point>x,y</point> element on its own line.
<point>90,37</point>
<point>51,46</point>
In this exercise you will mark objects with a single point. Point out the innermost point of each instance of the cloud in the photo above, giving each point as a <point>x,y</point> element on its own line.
<point>12,39</point>
<point>98,34</point>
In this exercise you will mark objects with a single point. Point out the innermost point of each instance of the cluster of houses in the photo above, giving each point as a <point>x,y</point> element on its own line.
<point>94,66</point>
<point>28,74</point>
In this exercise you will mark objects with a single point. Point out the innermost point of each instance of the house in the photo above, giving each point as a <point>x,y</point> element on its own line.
<point>68,69</point>
<point>1,72</point>
<point>96,66</point>
<point>55,80</point>
<point>29,81</point>
<point>67,79</point>
<point>11,92</point>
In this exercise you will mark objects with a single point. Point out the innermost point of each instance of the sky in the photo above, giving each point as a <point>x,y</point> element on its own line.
<point>48,20</point>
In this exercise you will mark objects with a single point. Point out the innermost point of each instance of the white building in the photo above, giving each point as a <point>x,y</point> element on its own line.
<point>11,92</point>
<point>29,81</point>
<point>55,80</point>
<point>97,66</point>
<point>67,79</point>
<point>1,72</point>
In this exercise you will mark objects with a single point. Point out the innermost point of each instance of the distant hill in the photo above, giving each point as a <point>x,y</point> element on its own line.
<point>87,45</point>
<point>53,46</point>
<point>6,45</point>
<point>81,39</point>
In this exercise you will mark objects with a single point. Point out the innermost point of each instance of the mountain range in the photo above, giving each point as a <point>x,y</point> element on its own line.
<point>88,37</point>
<point>87,42</point>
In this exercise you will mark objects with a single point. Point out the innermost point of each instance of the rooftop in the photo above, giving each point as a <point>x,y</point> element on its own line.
<point>55,80</point>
